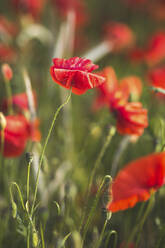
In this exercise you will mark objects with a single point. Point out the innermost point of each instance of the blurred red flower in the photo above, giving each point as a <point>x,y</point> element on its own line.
<point>113,93</point>
<point>136,181</point>
<point>157,77</point>
<point>78,6</point>
<point>156,49</point>
<point>19,102</point>
<point>7,53</point>
<point>32,7</point>
<point>131,119</point>
<point>118,34</point>
<point>16,134</point>
<point>75,73</point>
<point>7,28</point>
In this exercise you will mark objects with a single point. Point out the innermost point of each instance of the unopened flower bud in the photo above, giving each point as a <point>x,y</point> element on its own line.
<point>7,72</point>
<point>14,209</point>
<point>35,238</point>
<point>3,122</point>
<point>29,157</point>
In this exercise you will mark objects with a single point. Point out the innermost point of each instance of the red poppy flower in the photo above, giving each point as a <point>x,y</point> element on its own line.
<point>75,73</point>
<point>131,118</point>
<point>155,51</point>
<point>7,53</point>
<point>7,72</point>
<point>78,6</point>
<point>136,181</point>
<point>32,7</point>
<point>118,34</point>
<point>113,93</point>
<point>156,78</point>
<point>19,102</point>
<point>17,132</point>
<point>133,84</point>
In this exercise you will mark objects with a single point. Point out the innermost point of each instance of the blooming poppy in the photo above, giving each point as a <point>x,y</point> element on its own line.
<point>19,102</point>
<point>76,74</point>
<point>134,85</point>
<point>118,34</point>
<point>131,118</point>
<point>113,92</point>
<point>136,181</point>
<point>17,132</point>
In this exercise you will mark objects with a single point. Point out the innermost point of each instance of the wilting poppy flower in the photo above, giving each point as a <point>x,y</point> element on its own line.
<point>16,134</point>
<point>19,102</point>
<point>76,74</point>
<point>78,6</point>
<point>118,34</point>
<point>136,181</point>
<point>131,118</point>
<point>32,7</point>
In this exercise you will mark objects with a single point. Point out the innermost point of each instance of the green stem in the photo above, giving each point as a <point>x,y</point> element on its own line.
<point>2,150</point>
<point>92,211</point>
<point>111,133</point>
<point>19,193</point>
<point>9,96</point>
<point>102,234</point>
<point>108,238</point>
<point>28,237</point>
<point>139,226</point>
<point>44,148</point>
<point>28,180</point>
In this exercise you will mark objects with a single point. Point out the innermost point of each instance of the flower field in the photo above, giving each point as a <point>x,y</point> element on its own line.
<point>82,123</point>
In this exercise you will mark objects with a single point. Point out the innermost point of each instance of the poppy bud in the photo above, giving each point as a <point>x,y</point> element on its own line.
<point>3,122</point>
<point>7,72</point>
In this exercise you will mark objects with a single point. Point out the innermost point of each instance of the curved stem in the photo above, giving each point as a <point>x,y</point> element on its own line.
<point>111,133</point>
<point>102,234</point>
<point>44,148</point>
<point>139,226</point>
<point>9,96</point>
<point>92,211</point>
